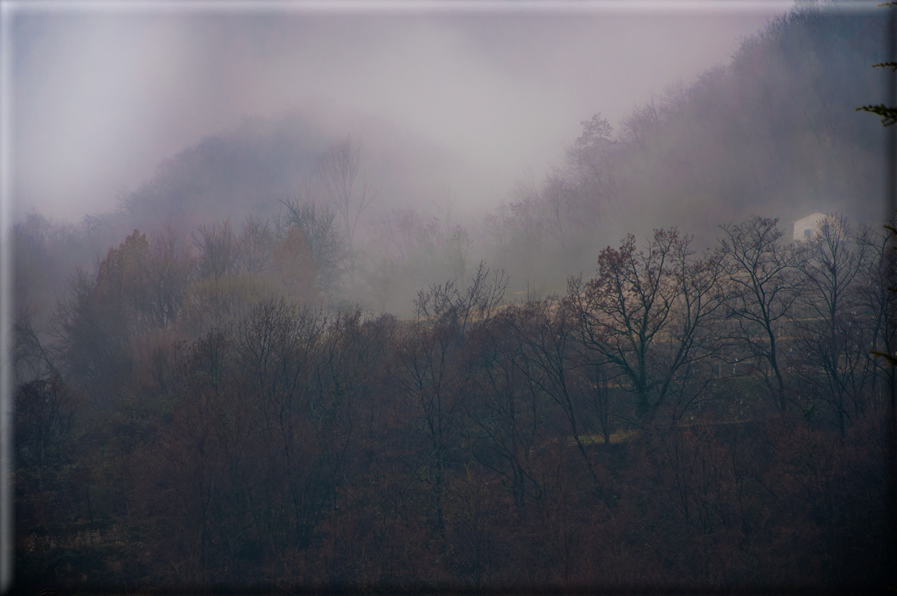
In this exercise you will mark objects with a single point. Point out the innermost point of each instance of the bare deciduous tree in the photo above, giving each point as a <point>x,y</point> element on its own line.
<point>765,286</point>
<point>506,413</point>
<point>218,250</point>
<point>647,314</point>
<point>445,304</point>
<point>548,334</point>
<point>338,170</point>
<point>322,239</point>
<point>832,341</point>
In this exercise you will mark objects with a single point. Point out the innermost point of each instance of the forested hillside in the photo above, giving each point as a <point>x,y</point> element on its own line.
<point>709,421</point>
<point>773,132</point>
<point>246,385</point>
<point>245,172</point>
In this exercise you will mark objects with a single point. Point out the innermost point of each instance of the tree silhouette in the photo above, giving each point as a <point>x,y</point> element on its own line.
<point>888,113</point>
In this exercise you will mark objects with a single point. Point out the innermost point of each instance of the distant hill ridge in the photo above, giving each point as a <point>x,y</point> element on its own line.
<point>247,171</point>
<point>774,131</point>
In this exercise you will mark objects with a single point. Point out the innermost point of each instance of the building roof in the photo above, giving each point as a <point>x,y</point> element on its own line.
<point>805,227</point>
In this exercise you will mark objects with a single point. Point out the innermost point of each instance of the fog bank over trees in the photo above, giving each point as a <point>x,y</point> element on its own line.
<point>103,94</point>
<point>771,132</point>
<point>308,356</point>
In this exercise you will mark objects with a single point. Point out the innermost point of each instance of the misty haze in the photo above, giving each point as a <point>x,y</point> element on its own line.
<point>456,297</point>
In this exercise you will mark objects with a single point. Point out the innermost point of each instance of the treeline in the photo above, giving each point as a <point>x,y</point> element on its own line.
<point>773,131</point>
<point>208,407</point>
<point>680,418</point>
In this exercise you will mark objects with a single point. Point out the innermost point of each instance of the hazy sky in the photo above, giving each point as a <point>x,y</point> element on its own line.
<point>102,92</point>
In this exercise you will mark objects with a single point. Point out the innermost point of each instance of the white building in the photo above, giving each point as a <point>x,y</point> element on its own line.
<point>806,227</point>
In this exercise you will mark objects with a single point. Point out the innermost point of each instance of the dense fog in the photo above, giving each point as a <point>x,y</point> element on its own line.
<point>472,300</point>
<point>532,141</point>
